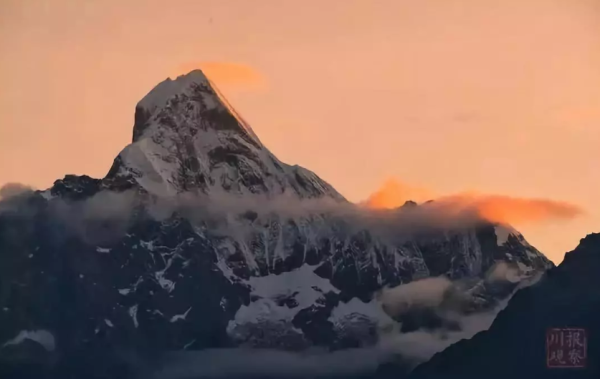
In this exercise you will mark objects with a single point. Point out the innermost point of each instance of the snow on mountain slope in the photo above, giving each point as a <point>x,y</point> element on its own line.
<point>276,301</point>
<point>263,262</point>
<point>186,137</point>
<point>505,233</point>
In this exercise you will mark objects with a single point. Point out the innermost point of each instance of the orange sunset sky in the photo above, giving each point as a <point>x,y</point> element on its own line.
<point>493,96</point>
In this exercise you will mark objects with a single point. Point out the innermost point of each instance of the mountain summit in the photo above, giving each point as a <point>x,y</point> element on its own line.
<point>260,255</point>
<point>187,137</point>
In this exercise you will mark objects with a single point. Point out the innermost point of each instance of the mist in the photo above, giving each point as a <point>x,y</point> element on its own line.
<point>228,213</point>
<point>106,216</point>
<point>446,299</point>
<point>406,350</point>
<point>263,363</point>
<point>102,217</point>
<point>14,189</point>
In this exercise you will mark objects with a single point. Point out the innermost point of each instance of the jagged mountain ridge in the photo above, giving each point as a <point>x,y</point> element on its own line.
<point>515,345</point>
<point>186,137</point>
<point>176,283</point>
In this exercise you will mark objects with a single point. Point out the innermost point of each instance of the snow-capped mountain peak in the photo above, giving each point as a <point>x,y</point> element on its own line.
<point>116,277</point>
<point>187,137</point>
<point>165,90</point>
<point>505,231</point>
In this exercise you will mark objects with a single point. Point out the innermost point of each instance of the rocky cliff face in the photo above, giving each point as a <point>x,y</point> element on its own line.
<point>186,137</point>
<point>199,237</point>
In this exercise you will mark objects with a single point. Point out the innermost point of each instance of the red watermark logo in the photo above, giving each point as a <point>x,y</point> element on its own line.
<point>566,348</point>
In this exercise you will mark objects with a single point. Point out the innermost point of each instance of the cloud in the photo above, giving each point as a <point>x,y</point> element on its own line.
<point>226,74</point>
<point>445,299</point>
<point>427,292</point>
<point>502,271</point>
<point>507,209</point>
<point>243,216</point>
<point>493,208</point>
<point>419,346</point>
<point>14,189</point>
<point>406,349</point>
<point>101,218</point>
<point>234,215</point>
<point>13,199</point>
<point>394,193</point>
<point>109,206</point>
<point>107,215</point>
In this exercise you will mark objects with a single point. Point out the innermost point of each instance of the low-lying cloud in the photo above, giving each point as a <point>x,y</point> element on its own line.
<point>406,349</point>
<point>101,218</point>
<point>12,196</point>
<point>110,212</point>
<point>502,271</point>
<point>107,215</point>
<point>446,299</point>
<point>420,345</point>
<point>396,225</point>
<point>428,292</point>
<point>229,213</point>
<point>9,190</point>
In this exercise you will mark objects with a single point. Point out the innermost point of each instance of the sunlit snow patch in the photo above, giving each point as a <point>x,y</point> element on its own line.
<point>181,316</point>
<point>43,337</point>
<point>133,314</point>
<point>280,298</point>
<point>503,231</point>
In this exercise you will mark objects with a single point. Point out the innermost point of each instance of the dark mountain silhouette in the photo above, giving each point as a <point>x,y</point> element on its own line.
<point>568,296</point>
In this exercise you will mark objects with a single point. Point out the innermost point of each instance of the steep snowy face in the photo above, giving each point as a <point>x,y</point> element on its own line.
<point>187,137</point>
<point>516,249</point>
